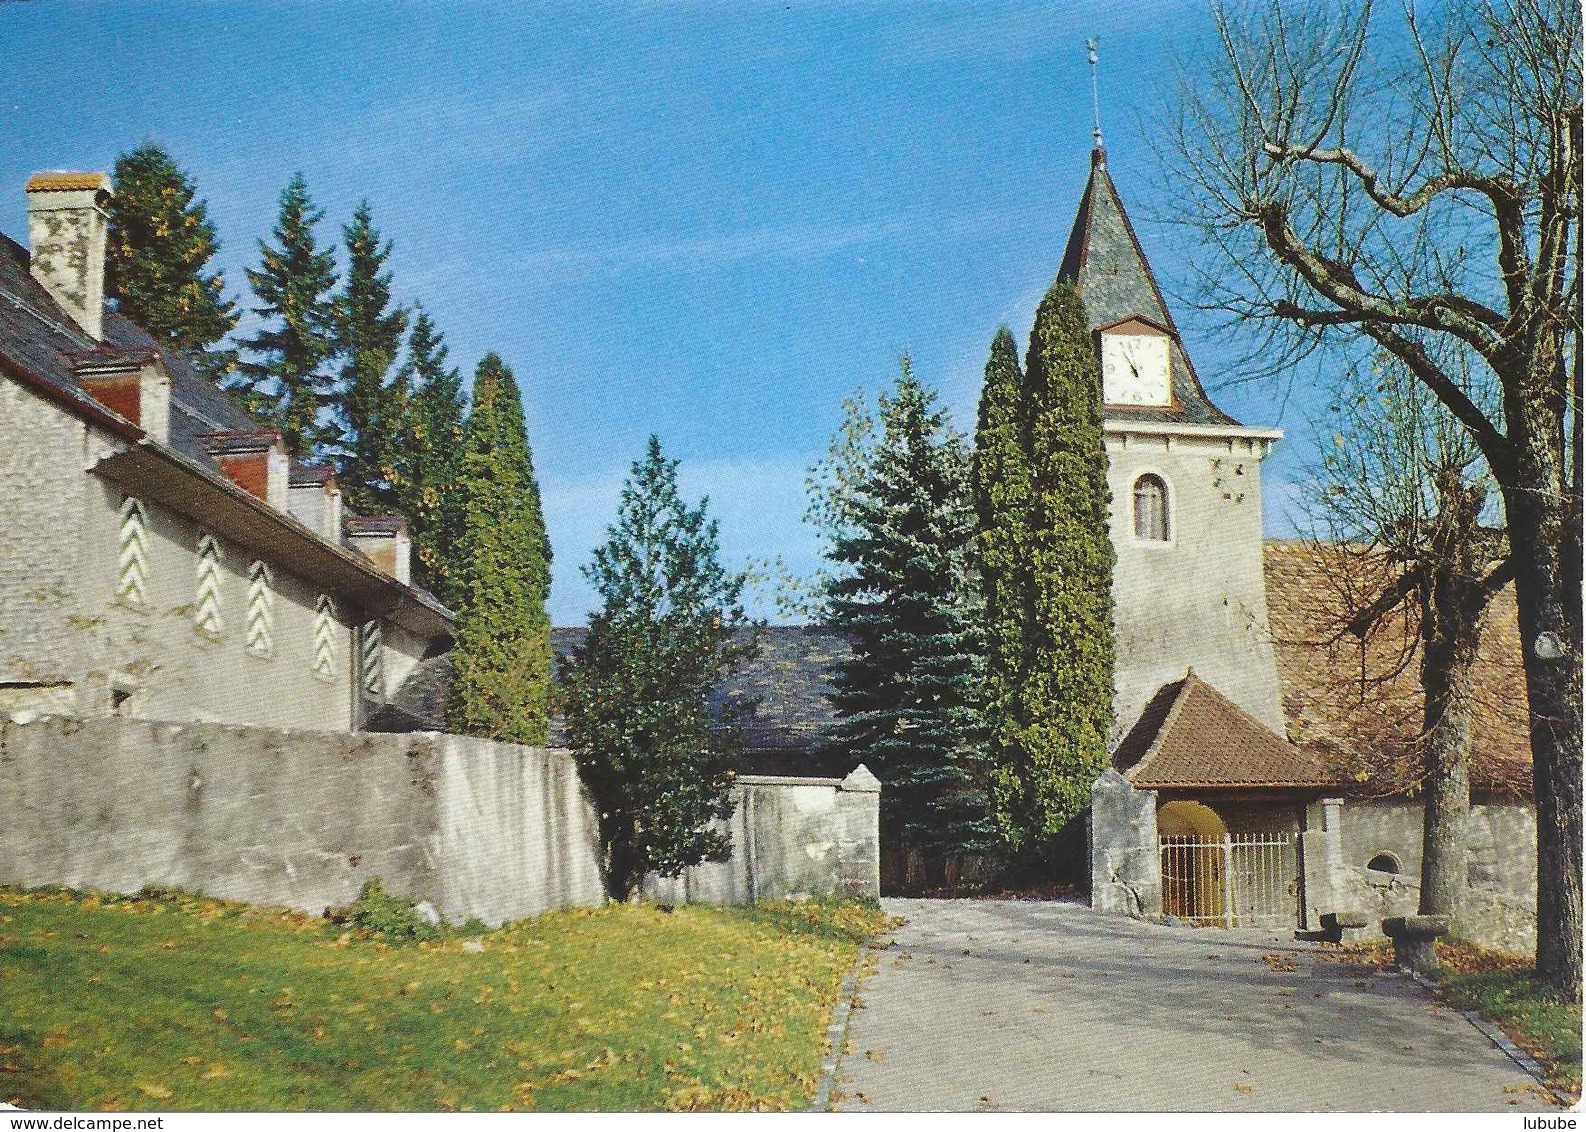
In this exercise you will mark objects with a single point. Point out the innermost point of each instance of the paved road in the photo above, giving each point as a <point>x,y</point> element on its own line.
<point>985,1005</point>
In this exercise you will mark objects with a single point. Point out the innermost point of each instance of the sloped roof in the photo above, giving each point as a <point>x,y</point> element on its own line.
<point>1192,737</point>
<point>38,335</point>
<point>1106,264</point>
<point>786,687</point>
<point>1356,706</point>
<point>41,345</point>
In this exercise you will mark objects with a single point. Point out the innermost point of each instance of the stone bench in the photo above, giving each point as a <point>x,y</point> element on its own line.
<point>1344,927</point>
<point>1414,940</point>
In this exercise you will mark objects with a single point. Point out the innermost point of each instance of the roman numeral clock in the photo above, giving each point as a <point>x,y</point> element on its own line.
<point>1135,364</point>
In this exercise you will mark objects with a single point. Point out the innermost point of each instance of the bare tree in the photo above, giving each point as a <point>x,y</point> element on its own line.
<point>1405,199</point>
<point>1397,508</point>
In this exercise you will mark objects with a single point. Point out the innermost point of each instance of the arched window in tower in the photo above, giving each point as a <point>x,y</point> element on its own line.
<point>1150,509</point>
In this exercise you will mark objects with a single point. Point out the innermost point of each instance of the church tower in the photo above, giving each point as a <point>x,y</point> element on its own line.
<point>1185,477</point>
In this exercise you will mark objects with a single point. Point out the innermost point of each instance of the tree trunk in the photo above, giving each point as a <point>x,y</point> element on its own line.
<point>621,871</point>
<point>1543,527</point>
<point>1451,632</point>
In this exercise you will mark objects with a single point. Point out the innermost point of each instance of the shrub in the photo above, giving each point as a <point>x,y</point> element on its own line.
<point>379,915</point>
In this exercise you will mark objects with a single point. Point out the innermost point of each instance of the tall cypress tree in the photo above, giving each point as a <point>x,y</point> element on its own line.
<point>160,243</point>
<point>285,382</point>
<point>656,755</point>
<point>426,455</point>
<point>1002,500</point>
<point>1060,716</point>
<point>502,658</point>
<point>906,697</point>
<point>368,336</point>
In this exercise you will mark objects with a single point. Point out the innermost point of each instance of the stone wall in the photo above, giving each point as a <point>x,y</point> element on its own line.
<point>64,635</point>
<point>304,818</point>
<point>791,836</point>
<point>1500,904</point>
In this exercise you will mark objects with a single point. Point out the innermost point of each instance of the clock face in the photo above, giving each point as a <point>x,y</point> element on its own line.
<point>1134,369</point>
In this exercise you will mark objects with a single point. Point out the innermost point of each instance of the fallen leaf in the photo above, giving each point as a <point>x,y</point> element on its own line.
<point>1245,1088</point>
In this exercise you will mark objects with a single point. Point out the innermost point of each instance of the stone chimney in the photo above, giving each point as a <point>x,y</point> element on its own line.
<point>134,384</point>
<point>68,219</point>
<point>255,461</point>
<point>314,500</point>
<point>383,539</point>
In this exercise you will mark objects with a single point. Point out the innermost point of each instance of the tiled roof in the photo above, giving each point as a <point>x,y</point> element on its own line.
<point>1105,262</point>
<point>1192,737</point>
<point>1365,727</point>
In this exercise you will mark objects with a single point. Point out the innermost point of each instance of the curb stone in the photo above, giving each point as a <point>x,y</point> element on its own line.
<point>837,1033</point>
<point>1497,1037</point>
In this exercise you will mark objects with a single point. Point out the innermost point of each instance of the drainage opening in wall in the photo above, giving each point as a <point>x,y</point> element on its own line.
<point>1384,863</point>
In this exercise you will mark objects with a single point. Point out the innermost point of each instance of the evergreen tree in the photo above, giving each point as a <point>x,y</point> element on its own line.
<point>429,406</point>
<point>161,241</point>
<point>1054,730</point>
<point>285,383</point>
<point>1002,498</point>
<point>368,336</point>
<point>655,754</point>
<point>502,658</point>
<point>902,593</point>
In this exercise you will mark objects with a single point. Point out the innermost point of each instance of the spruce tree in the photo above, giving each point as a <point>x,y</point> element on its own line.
<point>906,697</point>
<point>502,657</point>
<point>654,753</point>
<point>1054,727</point>
<point>368,336</point>
<point>160,242</point>
<point>285,381</point>
<point>430,407</point>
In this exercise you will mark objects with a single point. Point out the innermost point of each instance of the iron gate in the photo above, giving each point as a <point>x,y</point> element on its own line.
<point>1238,880</point>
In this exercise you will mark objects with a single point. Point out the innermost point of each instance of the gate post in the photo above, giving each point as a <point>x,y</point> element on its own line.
<point>1125,861</point>
<point>1228,881</point>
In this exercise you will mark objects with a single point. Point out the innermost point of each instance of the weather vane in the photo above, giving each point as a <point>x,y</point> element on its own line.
<point>1095,99</point>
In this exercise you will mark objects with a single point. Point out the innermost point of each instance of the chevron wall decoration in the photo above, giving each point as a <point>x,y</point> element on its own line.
<point>132,562</point>
<point>207,616</point>
<point>325,638</point>
<point>261,610</point>
<point>371,662</point>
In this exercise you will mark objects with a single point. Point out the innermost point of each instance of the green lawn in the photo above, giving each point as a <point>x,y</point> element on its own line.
<point>179,1002</point>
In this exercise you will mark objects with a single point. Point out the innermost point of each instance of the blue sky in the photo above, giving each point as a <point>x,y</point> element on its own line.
<point>706,220</point>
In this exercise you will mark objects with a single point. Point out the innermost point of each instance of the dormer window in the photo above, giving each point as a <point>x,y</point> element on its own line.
<point>1151,519</point>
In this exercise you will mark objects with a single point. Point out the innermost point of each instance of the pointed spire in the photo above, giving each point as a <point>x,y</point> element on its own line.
<point>1106,264</point>
<point>1098,155</point>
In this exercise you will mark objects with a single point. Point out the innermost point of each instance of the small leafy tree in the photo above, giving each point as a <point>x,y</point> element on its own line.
<point>285,381</point>
<point>161,242</point>
<point>425,458</point>
<point>895,505</point>
<point>368,337</point>
<point>1398,506</point>
<point>1053,725</point>
<point>658,758</point>
<point>502,658</point>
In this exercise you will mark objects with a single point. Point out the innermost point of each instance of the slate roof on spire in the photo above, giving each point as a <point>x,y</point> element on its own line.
<point>1105,262</point>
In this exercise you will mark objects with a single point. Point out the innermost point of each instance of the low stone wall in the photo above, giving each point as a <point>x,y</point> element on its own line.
<point>481,830</point>
<point>791,836</point>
